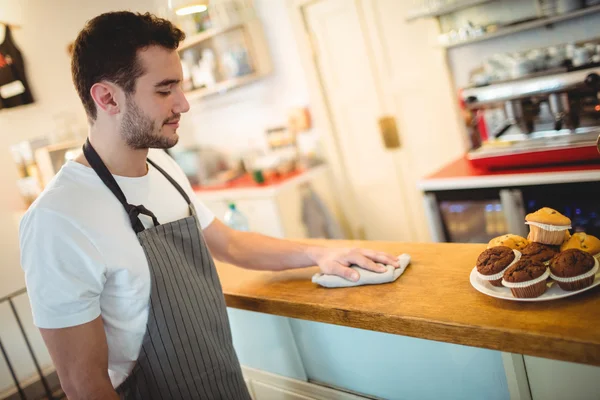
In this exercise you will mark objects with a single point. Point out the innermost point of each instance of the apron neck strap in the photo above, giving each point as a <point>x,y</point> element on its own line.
<point>102,171</point>
<point>173,182</point>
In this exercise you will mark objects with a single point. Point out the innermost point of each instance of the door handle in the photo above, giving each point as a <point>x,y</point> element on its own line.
<point>389,132</point>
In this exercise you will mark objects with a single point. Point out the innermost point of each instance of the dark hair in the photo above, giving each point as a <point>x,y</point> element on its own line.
<point>106,49</point>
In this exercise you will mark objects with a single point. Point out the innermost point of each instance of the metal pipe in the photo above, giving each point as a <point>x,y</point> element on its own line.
<point>12,372</point>
<point>13,294</point>
<point>33,357</point>
<point>495,93</point>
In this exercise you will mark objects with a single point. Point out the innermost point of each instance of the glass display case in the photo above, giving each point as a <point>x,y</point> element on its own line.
<point>478,215</point>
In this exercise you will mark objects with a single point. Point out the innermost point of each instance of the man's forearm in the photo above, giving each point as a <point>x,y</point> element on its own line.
<point>89,391</point>
<point>80,354</point>
<point>256,251</point>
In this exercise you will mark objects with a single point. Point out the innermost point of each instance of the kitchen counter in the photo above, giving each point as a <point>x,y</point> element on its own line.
<point>432,300</point>
<point>461,174</point>
<point>246,187</point>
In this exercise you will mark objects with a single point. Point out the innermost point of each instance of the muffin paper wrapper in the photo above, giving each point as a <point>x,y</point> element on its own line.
<point>532,282</point>
<point>547,234</point>
<point>501,273</point>
<point>551,228</point>
<point>591,272</point>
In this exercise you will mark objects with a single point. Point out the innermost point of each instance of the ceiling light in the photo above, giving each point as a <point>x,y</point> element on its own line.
<point>191,9</point>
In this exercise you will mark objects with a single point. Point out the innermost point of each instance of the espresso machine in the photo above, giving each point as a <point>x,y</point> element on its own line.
<point>549,118</point>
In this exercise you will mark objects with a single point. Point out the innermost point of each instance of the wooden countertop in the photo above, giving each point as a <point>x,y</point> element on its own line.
<point>432,300</point>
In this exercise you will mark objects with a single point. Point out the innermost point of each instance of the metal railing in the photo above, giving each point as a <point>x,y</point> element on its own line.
<point>47,390</point>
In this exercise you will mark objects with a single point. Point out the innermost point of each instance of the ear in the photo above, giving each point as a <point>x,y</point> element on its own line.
<point>106,97</point>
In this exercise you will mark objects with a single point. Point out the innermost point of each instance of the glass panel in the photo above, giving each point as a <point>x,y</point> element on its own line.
<point>578,201</point>
<point>584,212</point>
<point>473,221</point>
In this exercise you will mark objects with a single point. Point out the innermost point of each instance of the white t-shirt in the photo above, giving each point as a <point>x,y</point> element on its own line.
<point>82,258</point>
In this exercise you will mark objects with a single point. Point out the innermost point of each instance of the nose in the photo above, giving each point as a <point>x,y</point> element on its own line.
<point>181,104</point>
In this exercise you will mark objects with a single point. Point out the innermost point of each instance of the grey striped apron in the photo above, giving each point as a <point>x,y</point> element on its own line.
<point>187,351</point>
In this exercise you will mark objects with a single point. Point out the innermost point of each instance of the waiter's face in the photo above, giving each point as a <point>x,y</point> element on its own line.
<point>152,112</point>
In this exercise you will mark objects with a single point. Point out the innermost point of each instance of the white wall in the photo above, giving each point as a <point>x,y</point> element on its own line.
<point>240,117</point>
<point>46,29</point>
<point>233,119</point>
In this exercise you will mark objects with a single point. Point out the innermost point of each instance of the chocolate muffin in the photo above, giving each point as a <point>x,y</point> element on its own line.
<point>573,269</point>
<point>539,252</point>
<point>526,279</point>
<point>492,263</point>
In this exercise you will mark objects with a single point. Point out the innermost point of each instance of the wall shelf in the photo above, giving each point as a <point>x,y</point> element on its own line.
<point>198,38</point>
<point>524,26</point>
<point>224,86</point>
<point>248,61</point>
<point>429,12</point>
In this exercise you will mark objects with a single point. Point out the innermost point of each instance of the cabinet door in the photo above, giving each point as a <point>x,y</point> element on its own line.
<point>263,216</point>
<point>262,213</point>
<point>558,380</point>
<point>416,86</point>
<point>375,78</point>
<point>290,202</point>
<point>344,60</point>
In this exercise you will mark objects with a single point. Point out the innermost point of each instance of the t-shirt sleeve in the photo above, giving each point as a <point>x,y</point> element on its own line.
<point>64,271</point>
<point>205,216</point>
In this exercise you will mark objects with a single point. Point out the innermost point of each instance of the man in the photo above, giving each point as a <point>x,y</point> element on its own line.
<point>121,282</point>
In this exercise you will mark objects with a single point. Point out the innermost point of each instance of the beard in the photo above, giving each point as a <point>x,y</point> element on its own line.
<point>141,132</point>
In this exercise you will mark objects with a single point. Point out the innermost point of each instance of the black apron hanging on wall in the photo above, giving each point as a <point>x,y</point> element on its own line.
<point>14,89</point>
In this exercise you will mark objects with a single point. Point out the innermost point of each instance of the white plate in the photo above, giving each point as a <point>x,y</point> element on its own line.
<point>552,293</point>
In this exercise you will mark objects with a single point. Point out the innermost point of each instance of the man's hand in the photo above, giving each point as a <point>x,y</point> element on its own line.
<point>336,261</point>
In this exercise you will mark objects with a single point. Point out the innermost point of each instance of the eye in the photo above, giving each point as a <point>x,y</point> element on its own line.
<point>164,94</point>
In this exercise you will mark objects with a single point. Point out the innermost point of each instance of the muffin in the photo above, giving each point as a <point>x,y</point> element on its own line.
<point>539,252</point>
<point>588,243</point>
<point>492,263</point>
<point>515,242</point>
<point>526,279</point>
<point>547,226</point>
<point>573,269</point>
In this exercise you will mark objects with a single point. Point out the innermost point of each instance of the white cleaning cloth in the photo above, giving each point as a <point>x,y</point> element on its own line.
<point>366,277</point>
